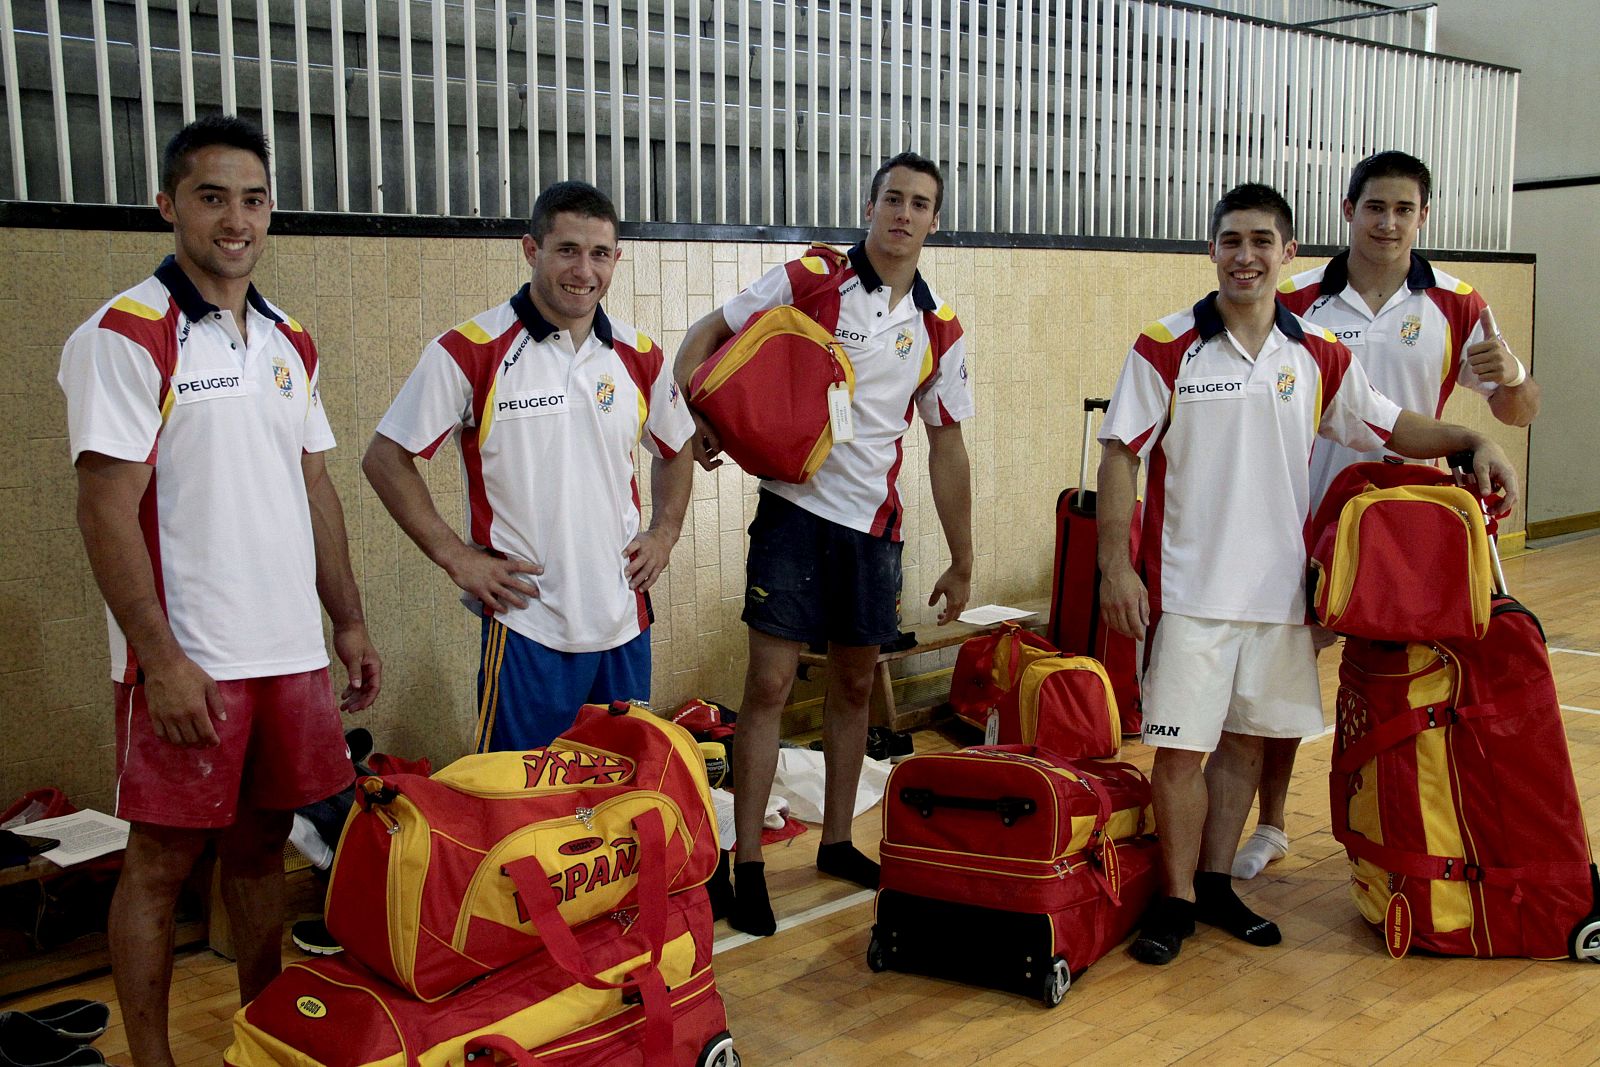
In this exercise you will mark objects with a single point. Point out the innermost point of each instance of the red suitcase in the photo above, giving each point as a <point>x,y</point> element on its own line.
<point>1075,625</point>
<point>333,1012</point>
<point>1452,792</point>
<point>1011,867</point>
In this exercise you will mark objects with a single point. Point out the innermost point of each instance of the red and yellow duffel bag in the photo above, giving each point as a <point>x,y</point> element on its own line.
<point>988,666</point>
<point>766,393</point>
<point>1399,553</point>
<point>424,888</point>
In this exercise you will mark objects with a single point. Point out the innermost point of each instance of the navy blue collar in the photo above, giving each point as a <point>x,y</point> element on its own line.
<point>1336,275</point>
<point>921,295</point>
<point>192,304</point>
<point>539,327</point>
<point>1208,320</point>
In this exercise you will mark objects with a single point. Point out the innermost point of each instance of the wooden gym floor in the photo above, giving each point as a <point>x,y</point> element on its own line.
<point>1328,994</point>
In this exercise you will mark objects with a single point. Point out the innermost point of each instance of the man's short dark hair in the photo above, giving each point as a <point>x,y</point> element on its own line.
<point>573,198</point>
<point>1253,196</point>
<point>911,161</point>
<point>1390,164</point>
<point>230,131</point>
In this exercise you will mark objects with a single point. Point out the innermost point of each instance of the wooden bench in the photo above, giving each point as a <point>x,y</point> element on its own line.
<point>932,638</point>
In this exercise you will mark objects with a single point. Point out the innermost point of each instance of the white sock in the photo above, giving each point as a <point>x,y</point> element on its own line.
<point>1267,844</point>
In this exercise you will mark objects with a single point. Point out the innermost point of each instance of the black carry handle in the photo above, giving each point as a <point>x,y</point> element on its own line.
<point>1461,463</point>
<point>1010,809</point>
<point>1095,403</point>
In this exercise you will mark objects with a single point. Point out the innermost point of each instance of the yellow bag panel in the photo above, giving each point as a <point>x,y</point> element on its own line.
<point>785,319</point>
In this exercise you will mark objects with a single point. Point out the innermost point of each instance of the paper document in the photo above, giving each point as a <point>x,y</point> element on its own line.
<point>83,836</point>
<point>989,614</point>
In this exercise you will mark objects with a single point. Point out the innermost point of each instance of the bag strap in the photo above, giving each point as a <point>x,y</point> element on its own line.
<point>1403,727</point>
<point>487,1044</point>
<point>533,884</point>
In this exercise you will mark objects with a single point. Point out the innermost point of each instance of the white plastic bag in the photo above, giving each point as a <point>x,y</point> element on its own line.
<point>800,780</point>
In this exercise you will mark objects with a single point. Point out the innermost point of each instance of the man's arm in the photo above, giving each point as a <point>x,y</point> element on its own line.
<point>649,551</point>
<point>337,589</point>
<point>709,333</point>
<point>494,582</point>
<point>1124,601</point>
<point>1420,437</point>
<point>1491,360</point>
<point>950,478</point>
<point>181,697</point>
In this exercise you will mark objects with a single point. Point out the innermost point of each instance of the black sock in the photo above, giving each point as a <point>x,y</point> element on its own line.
<point>842,860</point>
<point>1216,904</point>
<point>752,911</point>
<point>720,890</point>
<point>1161,932</point>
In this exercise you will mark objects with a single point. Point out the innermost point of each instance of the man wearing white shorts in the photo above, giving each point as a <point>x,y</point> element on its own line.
<point>1225,401</point>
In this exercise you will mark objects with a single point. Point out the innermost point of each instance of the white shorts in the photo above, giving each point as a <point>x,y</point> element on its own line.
<point>1207,676</point>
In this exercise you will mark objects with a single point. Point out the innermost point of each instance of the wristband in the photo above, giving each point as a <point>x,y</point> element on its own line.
<point>1522,374</point>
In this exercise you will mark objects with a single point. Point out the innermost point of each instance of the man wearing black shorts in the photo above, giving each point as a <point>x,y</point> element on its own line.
<point>824,561</point>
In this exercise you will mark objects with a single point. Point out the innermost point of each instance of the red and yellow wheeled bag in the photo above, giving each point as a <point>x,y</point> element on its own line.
<point>1012,867</point>
<point>429,882</point>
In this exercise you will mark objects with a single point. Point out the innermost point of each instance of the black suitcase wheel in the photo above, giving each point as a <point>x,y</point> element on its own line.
<point>1586,940</point>
<point>876,960</point>
<point>1057,980</point>
<point>718,1052</point>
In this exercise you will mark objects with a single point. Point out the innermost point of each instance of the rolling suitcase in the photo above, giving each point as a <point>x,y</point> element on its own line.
<point>1452,792</point>
<point>1011,867</point>
<point>1075,625</point>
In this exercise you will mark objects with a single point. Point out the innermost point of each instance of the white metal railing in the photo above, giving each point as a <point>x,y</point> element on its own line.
<point>1116,118</point>
<point>1404,25</point>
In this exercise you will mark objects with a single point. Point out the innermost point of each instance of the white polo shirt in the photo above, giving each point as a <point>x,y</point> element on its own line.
<point>1228,439</point>
<point>908,357</point>
<point>160,376</point>
<point>1413,348</point>
<point>546,436</point>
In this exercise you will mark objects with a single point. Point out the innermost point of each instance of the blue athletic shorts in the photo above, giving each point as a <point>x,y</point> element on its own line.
<point>527,693</point>
<point>809,579</point>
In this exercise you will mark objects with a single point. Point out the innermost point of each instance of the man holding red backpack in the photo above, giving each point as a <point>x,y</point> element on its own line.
<point>824,560</point>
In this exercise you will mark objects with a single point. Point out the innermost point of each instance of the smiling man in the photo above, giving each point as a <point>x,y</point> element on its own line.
<point>1226,400</point>
<point>1419,333</point>
<point>546,396</point>
<point>212,529</point>
<point>824,561</point>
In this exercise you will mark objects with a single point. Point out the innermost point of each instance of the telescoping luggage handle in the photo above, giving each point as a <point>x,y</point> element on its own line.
<point>1091,404</point>
<point>1010,809</point>
<point>1461,466</point>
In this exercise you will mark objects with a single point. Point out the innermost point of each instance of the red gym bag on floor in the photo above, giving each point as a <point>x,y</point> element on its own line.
<point>1011,867</point>
<point>428,882</point>
<point>988,666</point>
<point>1075,623</point>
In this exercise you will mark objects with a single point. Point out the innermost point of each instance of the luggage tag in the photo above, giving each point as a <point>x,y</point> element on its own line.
<point>991,727</point>
<point>839,413</point>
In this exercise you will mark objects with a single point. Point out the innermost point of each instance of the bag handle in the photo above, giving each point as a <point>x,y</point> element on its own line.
<point>533,885</point>
<point>485,1045</point>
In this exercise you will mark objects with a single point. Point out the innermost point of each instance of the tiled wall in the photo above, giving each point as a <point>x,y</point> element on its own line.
<point>1044,328</point>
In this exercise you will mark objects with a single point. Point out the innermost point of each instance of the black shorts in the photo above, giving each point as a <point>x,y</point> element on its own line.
<point>810,579</point>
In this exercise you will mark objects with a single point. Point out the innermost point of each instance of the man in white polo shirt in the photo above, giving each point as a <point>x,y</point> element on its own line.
<point>212,529</point>
<point>546,397</point>
<point>1226,400</point>
<point>1419,333</point>
<point>824,559</point>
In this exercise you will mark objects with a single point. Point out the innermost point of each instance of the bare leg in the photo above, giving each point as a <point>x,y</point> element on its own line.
<point>251,852</point>
<point>844,733</point>
<point>1179,790</point>
<point>1231,777</point>
<point>767,682</point>
<point>1277,770</point>
<point>155,865</point>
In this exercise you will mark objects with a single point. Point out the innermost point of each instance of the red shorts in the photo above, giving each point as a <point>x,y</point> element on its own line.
<point>282,746</point>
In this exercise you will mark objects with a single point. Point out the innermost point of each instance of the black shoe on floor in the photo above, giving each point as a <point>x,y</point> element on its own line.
<point>75,1020</point>
<point>311,936</point>
<point>27,1042</point>
<point>1161,934</point>
<point>884,743</point>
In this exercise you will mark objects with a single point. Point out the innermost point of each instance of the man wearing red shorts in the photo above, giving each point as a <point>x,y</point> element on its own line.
<point>213,531</point>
